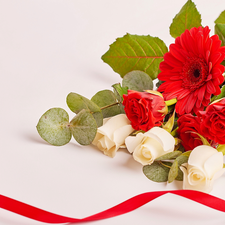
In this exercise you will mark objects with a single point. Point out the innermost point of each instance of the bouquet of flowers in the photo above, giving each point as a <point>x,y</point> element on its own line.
<point>169,110</point>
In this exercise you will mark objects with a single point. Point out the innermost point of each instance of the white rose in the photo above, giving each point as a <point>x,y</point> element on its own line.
<point>146,147</point>
<point>111,136</point>
<point>205,164</point>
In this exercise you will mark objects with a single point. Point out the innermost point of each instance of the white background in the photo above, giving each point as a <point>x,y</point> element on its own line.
<point>49,48</point>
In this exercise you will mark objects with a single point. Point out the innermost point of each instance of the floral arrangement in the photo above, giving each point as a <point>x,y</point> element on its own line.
<point>177,130</point>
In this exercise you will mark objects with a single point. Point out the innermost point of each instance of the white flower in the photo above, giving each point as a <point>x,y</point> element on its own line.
<point>205,164</point>
<point>146,147</point>
<point>111,136</point>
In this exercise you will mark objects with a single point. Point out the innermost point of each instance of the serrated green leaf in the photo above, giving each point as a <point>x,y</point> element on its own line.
<point>157,171</point>
<point>108,103</point>
<point>187,18</point>
<point>53,127</point>
<point>220,27</point>
<point>134,52</point>
<point>168,156</point>
<point>220,31</point>
<point>137,80</point>
<point>173,173</point>
<point>77,102</point>
<point>83,127</point>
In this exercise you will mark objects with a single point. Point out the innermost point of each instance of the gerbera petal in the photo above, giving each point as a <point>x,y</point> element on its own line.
<point>201,93</point>
<point>200,45</point>
<point>173,86</point>
<point>171,60</point>
<point>216,43</point>
<point>180,105</point>
<point>210,87</point>
<point>217,57</point>
<point>190,103</point>
<point>207,54</point>
<point>164,66</point>
<point>175,51</point>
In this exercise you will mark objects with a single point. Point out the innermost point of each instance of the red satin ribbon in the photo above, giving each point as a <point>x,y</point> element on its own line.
<point>122,208</point>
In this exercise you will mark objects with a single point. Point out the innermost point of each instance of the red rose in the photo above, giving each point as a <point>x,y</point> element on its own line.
<point>213,122</point>
<point>187,124</point>
<point>145,110</point>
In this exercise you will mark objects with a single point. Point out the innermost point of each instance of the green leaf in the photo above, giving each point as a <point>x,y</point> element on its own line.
<point>187,18</point>
<point>221,148</point>
<point>220,27</point>
<point>157,171</point>
<point>180,160</point>
<point>221,95</point>
<point>137,80</point>
<point>119,91</point>
<point>77,102</point>
<point>53,127</point>
<point>108,103</point>
<point>173,173</point>
<point>168,156</point>
<point>83,127</point>
<point>170,123</point>
<point>134,52</point>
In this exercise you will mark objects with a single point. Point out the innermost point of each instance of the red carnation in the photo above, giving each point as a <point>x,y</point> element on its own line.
<point>145,110</point>
<point>192,71</point>
<point>213,122</point>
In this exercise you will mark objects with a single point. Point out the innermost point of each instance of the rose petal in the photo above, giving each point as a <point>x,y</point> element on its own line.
<point>165,138</point>
<point>120,134</point>
<point>146,152</point>
<point>113,124</point>
<point>132,142</point>
<point>154,146</point>
<point>213,164</point>
<point>199,155</point>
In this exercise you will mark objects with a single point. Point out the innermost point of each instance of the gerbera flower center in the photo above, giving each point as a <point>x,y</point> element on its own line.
<point>194,73</point>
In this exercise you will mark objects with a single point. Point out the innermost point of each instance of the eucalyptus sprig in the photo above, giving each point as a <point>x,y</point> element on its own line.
<point>54,125</point>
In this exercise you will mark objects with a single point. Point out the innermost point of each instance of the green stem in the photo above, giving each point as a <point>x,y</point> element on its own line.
<point>165,164</point>
<point>107,106</point>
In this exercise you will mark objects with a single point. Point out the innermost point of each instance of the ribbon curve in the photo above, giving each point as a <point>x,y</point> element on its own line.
<point>122,208</point>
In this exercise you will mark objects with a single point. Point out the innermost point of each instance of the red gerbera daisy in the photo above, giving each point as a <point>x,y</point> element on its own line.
<point>192,71</point>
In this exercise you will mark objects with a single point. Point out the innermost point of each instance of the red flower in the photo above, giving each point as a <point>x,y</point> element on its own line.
<point>213,122</point>
<point>188,126</point>
<point>192,71</point>
<point>144,110</point>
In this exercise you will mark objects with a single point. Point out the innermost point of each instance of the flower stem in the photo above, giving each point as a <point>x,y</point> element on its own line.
<point>164,164</point>
<point>107,106</point>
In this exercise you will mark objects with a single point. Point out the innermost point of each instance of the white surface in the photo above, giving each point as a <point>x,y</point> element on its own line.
<point>49,48</point>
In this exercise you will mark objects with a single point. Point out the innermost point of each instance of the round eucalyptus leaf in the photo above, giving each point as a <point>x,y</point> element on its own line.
<point>53,127</point>
<point>182,159</point>
<point>157,171</point>
<point>83,127</point>
<point>77,102</point>
<point>173,173</point>
<point>138,81</point>
<point>108,103</point>
<point>168,156</point>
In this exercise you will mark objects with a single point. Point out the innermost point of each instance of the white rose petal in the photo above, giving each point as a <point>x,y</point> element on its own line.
<point>205,164</point>
<point>111,136</point>
<point>150,145</point>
